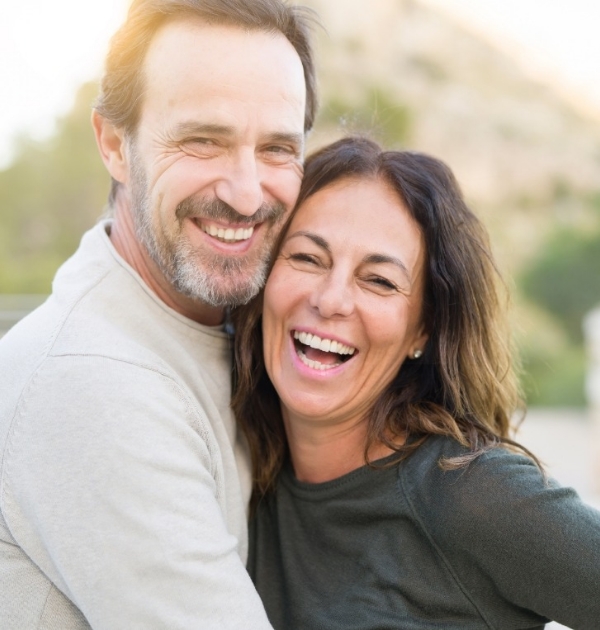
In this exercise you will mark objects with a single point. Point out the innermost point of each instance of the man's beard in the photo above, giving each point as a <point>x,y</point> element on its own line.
<point>199,273</point>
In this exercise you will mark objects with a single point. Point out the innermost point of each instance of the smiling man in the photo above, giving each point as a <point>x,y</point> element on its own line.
<point>124,485</point>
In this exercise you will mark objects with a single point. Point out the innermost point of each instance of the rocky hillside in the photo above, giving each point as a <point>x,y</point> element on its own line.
<point>527,160</point>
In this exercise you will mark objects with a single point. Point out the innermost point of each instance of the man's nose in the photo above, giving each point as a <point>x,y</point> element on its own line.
<point>240,186</point>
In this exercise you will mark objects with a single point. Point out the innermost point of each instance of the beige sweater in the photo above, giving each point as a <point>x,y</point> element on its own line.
<point>123,487</point>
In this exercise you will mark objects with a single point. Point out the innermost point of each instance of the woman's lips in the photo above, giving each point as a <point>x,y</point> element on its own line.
<point>321,353</point>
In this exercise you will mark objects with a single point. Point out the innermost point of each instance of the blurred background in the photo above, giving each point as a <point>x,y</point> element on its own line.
<point>507,92</point>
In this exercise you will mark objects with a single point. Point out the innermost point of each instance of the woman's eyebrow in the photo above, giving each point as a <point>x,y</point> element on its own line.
<point>384,259</point>
<point>319,241</point>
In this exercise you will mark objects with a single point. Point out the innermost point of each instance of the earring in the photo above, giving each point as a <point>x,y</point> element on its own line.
<point>417,354</point>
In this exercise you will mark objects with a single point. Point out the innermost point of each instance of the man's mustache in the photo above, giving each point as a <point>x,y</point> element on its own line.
<point>218,210</point>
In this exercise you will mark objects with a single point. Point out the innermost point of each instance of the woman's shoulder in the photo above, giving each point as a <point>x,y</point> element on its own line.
<point>486,491</point>
<point>438,458</point>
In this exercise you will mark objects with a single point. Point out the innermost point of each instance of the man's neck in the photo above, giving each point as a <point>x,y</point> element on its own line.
<point>124,240</point>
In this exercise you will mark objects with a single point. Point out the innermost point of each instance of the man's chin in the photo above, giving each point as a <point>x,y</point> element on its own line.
<point>219,294</point>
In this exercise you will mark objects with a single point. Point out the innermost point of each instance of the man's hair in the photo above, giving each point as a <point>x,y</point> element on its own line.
<point>464,384</point>
<point>122,86</point>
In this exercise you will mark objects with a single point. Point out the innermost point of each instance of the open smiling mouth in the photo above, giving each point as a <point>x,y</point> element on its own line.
<point>225,235</point>
<point>321,354</point>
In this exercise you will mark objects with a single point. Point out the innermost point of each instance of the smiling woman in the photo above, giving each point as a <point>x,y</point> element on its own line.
<point>375,386</point>
<point>365,300</point>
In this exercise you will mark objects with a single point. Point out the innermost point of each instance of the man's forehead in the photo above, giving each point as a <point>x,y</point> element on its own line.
<point>198,75</point>
<point>217,48</point>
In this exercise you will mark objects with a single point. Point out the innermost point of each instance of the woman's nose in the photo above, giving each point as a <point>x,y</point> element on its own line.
<point>333,297</point>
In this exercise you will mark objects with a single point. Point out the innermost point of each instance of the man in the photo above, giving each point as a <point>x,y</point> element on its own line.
<point>123,486</point>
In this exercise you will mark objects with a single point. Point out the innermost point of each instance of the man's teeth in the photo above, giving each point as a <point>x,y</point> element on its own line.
<point>326,345</point>
<point>228,235</point>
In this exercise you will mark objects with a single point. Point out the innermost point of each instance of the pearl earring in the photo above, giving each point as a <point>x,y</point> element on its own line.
<point>417,354</point>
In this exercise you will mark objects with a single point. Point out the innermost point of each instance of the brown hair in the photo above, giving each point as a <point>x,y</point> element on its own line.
<point>464,385</point>
<point>122,86</point>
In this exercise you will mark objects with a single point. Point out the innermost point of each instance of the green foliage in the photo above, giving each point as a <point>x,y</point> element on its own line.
<point>554,379</point>
<point>565,279</point>
<point>49,196</point>
<point>379,114</point>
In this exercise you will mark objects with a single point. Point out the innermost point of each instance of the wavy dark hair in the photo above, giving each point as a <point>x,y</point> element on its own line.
<point>122,86</point>
<point>464,385</point>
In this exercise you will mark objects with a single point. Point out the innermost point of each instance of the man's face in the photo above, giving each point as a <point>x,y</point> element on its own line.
<point>215,162</point>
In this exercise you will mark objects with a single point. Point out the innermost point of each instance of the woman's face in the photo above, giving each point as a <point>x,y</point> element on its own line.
<point>342,306</point>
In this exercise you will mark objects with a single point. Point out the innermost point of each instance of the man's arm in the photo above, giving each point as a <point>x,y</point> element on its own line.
<point>111,486</point>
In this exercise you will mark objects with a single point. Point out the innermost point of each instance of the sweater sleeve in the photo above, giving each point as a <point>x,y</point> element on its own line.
<point>109,487</point>
<point>513,539</point>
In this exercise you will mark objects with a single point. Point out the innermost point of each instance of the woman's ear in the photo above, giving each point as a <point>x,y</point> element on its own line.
<point>111,144</point>
<point>418,345</point>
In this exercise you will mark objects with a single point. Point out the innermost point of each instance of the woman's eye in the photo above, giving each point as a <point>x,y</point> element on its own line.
<point>383,283</point>
<point>302,257</point>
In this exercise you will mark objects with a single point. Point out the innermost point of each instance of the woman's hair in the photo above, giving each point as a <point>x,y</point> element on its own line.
<point>464,385</point>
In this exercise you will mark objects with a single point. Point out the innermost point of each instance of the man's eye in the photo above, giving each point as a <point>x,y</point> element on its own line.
<point>201,144</point>
<point>280,153</point>
<point>206,142</point>
<point>279,149</point>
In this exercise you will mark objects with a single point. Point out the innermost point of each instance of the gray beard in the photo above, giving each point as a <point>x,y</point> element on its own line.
<point>212,279</point>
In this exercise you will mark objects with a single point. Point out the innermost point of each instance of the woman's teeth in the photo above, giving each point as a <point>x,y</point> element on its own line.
<point>325,345</point>
<point>315,365</point>
<point>227,235</point>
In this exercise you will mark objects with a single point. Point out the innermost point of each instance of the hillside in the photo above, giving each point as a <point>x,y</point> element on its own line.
<point>526,159</point>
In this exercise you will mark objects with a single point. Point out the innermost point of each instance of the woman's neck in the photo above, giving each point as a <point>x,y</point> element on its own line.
<point>321,453</point>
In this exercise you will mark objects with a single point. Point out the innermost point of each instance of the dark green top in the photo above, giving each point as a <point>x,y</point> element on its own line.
<point>412,546</point>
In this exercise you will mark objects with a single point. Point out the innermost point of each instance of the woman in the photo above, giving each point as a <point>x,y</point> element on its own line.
<point>387,491</point>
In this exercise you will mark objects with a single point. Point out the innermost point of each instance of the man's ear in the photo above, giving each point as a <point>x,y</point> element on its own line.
<point>111,144</point>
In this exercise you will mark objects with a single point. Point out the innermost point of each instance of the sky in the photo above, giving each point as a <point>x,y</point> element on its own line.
<point>47,49</point>
<point>554,40</point>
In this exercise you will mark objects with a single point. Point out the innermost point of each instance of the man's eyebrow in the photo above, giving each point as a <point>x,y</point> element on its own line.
<point>192,128</point>
<point>319,241</point>
<point>283,136</point>
<point>392,260</point>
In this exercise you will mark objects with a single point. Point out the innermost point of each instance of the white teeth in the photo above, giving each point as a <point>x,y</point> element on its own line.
<point>326,345</point>
<point>315,365</point>
<point>227,234</point>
